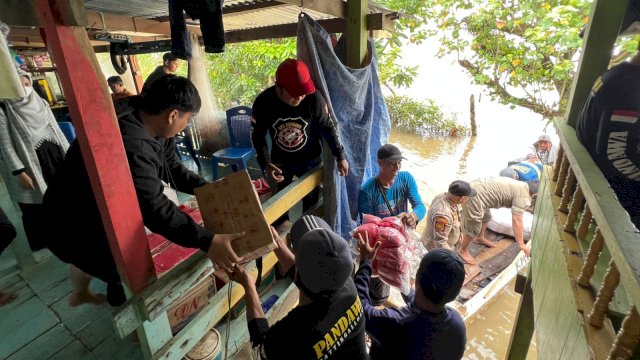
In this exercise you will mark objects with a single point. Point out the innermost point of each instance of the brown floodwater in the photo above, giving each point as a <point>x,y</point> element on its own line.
<point>437,162</point>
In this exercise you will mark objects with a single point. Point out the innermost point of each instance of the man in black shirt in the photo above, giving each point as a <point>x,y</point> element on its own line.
<point>296,118</point>
<point>608,127</point>
<point>170,64</point>
<point>328,322</point>
<point>148,125</point>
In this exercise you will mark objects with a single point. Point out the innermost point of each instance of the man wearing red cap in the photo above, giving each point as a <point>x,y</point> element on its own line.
<point>296,117</point>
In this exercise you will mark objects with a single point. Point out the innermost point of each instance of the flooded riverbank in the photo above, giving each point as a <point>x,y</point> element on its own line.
<point>435,163</point>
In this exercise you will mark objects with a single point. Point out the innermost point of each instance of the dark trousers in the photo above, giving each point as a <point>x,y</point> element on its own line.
<point>288,172</point>
<point>210,14</point>
<point>32,222</point>
<point>7,231</point>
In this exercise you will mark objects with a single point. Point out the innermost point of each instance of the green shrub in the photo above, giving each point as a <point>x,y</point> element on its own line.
<point>422,117</point>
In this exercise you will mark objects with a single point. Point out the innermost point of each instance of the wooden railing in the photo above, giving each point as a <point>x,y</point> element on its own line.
<point>147,311</point>
<point>595,218</point>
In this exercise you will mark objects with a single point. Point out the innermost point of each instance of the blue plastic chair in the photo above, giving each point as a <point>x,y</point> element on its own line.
<point>184,138</point>
<point>68,130</point>
<point>241,149</point>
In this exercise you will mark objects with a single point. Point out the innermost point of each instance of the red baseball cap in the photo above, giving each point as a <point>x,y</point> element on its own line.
<point>293,76</point>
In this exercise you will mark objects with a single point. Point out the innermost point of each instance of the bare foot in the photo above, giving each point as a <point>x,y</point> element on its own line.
<point>6,297</point>
<point>485,242</point>
<point>467,258</point>
<point>77,299</point>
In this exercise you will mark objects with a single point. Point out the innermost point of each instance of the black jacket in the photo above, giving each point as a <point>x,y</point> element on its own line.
<point>151,160</point>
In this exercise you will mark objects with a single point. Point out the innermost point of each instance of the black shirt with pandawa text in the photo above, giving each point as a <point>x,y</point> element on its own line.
<point>609,128</point>
<point>295,131</point>
<point>329,329</point>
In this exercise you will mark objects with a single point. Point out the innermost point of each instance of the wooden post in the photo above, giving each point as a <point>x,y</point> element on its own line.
<point>569,184</point>
<point>585,223</point>
<point>101,144</point>
<point>356,33</point>
<point>627,339</point>
<point>524,325</point>
<point>605,19</point>
<point>472,115</point>
<point>135,72</point>
<point>576,205</point>
<point>605,295</point>
<point>558,164</point>
<point>562,175</point>
<point>597,244</point>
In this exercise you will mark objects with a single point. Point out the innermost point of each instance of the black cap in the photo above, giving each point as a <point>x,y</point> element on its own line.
<point>389,152</point>
<point>323,258</point>
<point>461,188</point>
<point>441,276</point>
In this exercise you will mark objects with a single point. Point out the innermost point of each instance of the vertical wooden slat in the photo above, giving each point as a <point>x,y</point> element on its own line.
<point>562,176</point>
<point>101,145</point>
<point>135,72</point>
<point>576,205</point>
<point>559,159</point>
<point>585,223</point>
<point>566,191</point>
<point>356,33</point>
<point>601,306</point>
<point>628,337</point>
<point>590,262</point>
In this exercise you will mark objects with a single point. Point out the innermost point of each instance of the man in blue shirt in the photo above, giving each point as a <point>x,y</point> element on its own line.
<point>527,170</point>
<point>426,328</point>
<point>389,193</point>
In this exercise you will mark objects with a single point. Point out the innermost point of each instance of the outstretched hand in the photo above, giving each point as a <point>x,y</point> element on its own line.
<point>221,252</point>
<point>366,251</point>
<point>240,275</point>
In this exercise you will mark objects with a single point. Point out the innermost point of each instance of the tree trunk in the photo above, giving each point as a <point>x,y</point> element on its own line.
<point>472,115</point>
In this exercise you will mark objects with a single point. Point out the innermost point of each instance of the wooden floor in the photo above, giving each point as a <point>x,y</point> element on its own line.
<point>39,323</point>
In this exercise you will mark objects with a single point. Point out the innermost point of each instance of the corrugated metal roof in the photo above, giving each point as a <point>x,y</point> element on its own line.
<point>235,18</point>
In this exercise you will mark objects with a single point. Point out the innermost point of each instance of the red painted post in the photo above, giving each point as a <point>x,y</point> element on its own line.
<point>101,144</point>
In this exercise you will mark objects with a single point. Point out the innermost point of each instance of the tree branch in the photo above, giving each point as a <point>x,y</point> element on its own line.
<point>502,92</point>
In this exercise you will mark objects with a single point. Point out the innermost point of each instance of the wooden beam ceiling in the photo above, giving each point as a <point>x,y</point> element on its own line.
<point>337,8</point>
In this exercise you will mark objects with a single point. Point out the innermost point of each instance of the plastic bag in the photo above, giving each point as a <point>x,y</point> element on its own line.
<point>391,263</point>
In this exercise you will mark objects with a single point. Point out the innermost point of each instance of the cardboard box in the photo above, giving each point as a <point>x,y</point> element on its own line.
<point>190,304</point>
<point>231,205</point>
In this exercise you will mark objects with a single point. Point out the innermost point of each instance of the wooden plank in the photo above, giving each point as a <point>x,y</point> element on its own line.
<point>599,38</point>
<point>289,196</point>
<point>154,335</point>
<point>373,22</point>
<point>31,322</point>
<point>619,233</point>
<point>99,138</point>
<point>337,8</point>
<point>287,293</point>
<point>207,318</point>
<point>19,13</point>
<point>523,326</point>
<point>75,351</point>
<point>356,33</point>
<point>97,332</point>
<point>77,318</point>
<point>45,274</point>
<point>116,348</point>
<point>46,345</point>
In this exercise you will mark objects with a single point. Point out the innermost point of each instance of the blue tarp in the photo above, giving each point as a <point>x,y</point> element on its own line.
<point>355,99</point>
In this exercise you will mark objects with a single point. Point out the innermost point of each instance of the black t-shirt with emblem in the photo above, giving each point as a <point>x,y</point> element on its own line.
<point>295,131</point>
<point>609,127</point>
